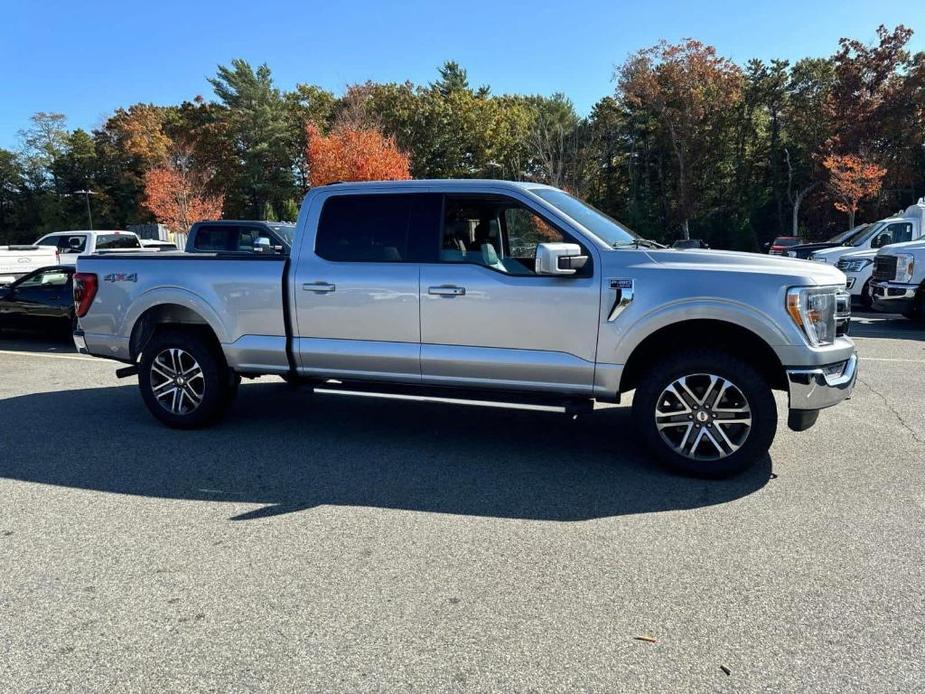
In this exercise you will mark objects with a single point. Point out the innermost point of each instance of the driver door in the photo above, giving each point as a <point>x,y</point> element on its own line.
<point>487,318</point>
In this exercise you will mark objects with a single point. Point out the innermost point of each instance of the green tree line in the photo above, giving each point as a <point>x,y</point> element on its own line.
<point>687,142</point>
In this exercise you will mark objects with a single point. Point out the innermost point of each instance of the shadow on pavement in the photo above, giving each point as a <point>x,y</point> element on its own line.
<point>885,325</point>
<point>291,451</point>
<point>52,341</point>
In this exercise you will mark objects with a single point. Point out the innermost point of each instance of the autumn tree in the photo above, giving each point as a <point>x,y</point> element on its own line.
<point>690,92</point>
<point>353,154</point>
<point>178,193</point>
<point>851,179</point>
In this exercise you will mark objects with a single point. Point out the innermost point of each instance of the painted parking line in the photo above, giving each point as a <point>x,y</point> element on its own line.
<point>47,355</point>
<point>899,361</point>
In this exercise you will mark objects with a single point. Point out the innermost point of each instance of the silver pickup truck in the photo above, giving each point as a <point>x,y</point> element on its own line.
<point>490,289</point>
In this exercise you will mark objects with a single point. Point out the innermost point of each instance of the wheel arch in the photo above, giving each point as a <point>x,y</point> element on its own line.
<point>164,316</point>
<point>697,333</point>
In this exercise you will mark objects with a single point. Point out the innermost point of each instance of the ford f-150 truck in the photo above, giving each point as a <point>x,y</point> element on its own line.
<point>478,287</point>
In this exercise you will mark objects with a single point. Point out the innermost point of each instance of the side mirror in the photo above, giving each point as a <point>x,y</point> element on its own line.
<point>883,240</point>
<point>559,258</point>
<point>74,244</point>
<point>262,245</point>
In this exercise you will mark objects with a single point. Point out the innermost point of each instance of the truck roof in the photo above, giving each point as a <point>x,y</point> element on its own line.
<point>440,184</point>
<point>92,232</point>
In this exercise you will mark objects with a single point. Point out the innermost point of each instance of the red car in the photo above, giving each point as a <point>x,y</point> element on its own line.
<point>782,243</point>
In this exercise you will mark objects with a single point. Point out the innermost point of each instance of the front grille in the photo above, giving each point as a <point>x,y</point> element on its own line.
<point>884,268</point>
<point>842,313</point>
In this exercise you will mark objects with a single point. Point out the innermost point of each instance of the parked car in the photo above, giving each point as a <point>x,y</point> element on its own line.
<point>805,250</point>
<point>690,243</point>
<point>406,285</point>
<point>858,268</point>
<point>898,284</point>
<point>71,244</point>
<point>157,245</point>
<point>240,236</point>
<point>782,243</point>
<point>18,261</point>
<point>43,299</point>
<point>898,229</point>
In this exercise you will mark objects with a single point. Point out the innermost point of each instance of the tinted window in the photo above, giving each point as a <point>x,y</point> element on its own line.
<point>213,238</point>
<point>365,228</point>
<point>231,238</point>
<point>110,241</point>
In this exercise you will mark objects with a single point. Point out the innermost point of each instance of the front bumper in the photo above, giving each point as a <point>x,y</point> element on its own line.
<point>892,297</point>
<point>820,387</point>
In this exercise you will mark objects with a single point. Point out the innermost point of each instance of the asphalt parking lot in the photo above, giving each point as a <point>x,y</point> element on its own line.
<point>334,543</point>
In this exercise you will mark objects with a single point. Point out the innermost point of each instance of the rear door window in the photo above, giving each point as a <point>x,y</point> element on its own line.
<point>378,228</point>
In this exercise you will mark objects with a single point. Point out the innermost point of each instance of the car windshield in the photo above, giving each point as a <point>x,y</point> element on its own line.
<point>844,235</point>
<point>285,232</point>
<point>861,237</point>
<point>608,230</point>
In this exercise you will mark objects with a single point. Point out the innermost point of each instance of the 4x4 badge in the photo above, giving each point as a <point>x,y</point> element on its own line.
<point>121,277</point>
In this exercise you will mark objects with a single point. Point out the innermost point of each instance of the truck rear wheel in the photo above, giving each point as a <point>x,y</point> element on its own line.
<point>183,382</point>
<point>706,413</point>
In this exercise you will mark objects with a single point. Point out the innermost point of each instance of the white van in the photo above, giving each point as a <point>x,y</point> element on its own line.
<point>899,229</point>
<point>71,244</point>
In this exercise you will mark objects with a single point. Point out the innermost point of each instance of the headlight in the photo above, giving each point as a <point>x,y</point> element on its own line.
<point>853,264</point>
<point>817,258</point>
<point>791,254</point>
<point>904,266</point>
<point>813,311</point>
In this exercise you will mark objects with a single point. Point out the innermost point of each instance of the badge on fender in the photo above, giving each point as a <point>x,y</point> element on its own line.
<point>625,293</point>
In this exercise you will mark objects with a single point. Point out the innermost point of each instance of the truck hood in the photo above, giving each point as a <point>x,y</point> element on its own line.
<point>894,248</point>
<point>733,261</point>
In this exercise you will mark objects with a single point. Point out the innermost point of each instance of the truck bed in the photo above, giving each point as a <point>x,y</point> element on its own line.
<point>241,297</point>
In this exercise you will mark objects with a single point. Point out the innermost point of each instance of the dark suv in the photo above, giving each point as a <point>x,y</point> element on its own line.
<point>240,236</point>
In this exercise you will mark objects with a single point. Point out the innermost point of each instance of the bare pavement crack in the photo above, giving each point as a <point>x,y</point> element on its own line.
<point>905,425</point>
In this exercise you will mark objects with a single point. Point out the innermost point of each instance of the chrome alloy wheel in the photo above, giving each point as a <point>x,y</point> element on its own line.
<point>703,417</point>
<point>177,381</point>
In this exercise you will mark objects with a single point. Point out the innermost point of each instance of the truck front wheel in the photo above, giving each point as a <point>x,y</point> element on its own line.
<point>183,382</point>
<point>706,413</point>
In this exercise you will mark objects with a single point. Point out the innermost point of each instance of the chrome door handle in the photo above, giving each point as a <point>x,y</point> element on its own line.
<point>447,290</point>
<point>318,287</point>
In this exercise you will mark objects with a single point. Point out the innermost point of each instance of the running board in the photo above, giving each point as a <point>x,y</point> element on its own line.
<point>572,406</point>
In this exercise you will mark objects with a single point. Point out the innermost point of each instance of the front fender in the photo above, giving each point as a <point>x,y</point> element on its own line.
<point>621,338</point>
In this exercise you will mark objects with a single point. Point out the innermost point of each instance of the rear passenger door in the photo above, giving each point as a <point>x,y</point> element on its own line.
<point>356,286</point>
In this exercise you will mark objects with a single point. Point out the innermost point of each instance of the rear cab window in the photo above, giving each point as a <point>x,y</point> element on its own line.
<point>115,241</point>
<point>237,238</point>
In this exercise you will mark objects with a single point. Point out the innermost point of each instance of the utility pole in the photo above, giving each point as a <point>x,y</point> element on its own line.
<point>87,194</point>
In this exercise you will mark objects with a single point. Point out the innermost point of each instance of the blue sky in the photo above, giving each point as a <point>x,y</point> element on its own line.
<point>87,58</point>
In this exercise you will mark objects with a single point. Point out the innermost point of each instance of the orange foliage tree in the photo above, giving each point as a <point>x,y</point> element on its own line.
<point>177,193</point>
<point>353,154</point>
<point>851,179</point>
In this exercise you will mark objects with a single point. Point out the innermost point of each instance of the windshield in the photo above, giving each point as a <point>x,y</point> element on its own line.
<point>608,230</point>
<point>285,232</point>
<point>844,235</point>
<point>861,237</point>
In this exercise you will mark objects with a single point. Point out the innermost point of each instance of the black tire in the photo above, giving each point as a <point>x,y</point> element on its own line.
<point>867,301</point>
<point>753,442</point>
<point>215,388</point>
